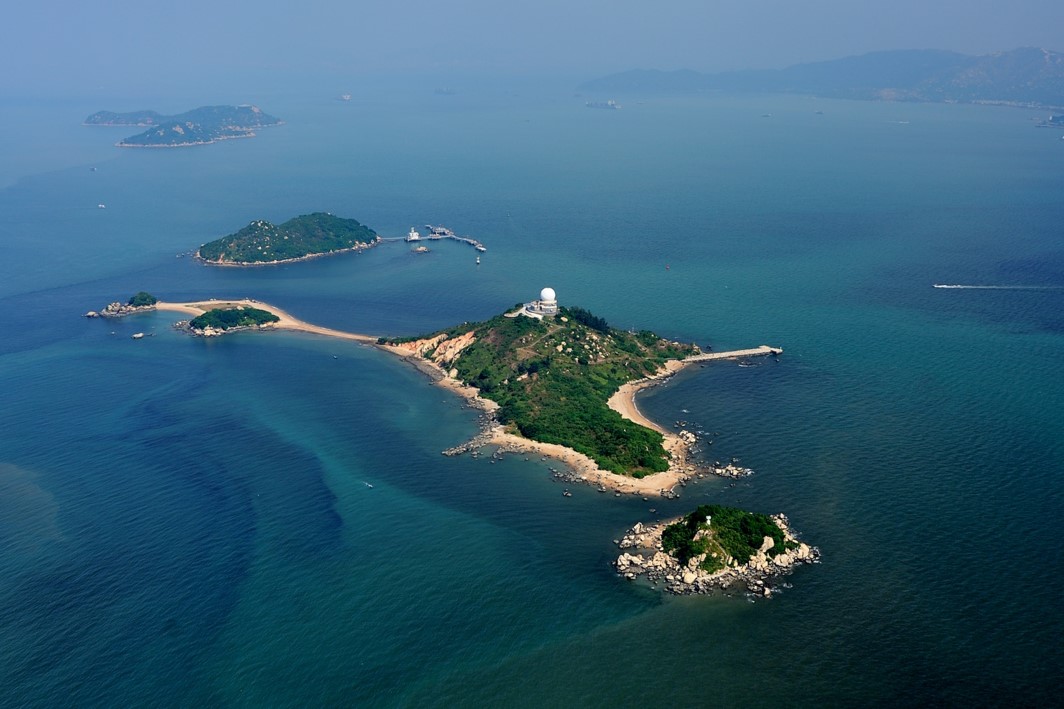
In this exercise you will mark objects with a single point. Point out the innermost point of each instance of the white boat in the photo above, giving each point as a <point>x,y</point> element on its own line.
<point>101,206</point>
<point>138,335</point>
<point>478,260</point>
<point>413,235</point>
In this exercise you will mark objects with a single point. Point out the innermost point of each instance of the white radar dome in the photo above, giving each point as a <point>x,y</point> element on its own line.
<point>547,294</point>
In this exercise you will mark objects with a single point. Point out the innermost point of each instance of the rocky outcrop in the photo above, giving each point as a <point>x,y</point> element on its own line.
<point>647,559</point>
<point>440,349</point>
<point>117,310</point>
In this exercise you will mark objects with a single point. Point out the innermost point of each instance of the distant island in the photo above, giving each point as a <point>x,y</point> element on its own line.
<point>1022,77</point>
<point>200,126</point>
<point>303,237</point>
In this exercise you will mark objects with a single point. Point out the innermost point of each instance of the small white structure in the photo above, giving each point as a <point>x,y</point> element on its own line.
<point>413,235</point>
<point>547,305</point>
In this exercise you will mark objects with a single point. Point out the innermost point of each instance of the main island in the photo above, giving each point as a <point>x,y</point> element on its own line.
<point>307,236</point>
<point>200,126</point>
<point>560,382</point>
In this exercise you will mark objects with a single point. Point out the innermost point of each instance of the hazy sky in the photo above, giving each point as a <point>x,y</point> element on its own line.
<point>65,42</point>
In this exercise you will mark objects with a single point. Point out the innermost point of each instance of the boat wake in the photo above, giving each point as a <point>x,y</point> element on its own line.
<point>965,287</point>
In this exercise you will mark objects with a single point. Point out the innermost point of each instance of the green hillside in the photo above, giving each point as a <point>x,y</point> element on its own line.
<point>553,377</point>
<point>261,242</point>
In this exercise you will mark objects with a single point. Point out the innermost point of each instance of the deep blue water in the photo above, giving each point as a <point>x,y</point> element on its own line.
<point>192,522</point>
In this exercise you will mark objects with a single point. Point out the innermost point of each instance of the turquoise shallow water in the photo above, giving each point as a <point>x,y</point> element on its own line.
<point>191,522</point>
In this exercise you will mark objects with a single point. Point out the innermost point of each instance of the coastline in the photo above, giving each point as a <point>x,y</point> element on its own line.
<point>583,468</point>
<point>121,144</point>
<point>249,132</point>
<point>297,259</point>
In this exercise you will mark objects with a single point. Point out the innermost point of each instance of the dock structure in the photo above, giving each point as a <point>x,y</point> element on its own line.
<point>435,233</point>
<point>762,351</point>
<point>442,232</point>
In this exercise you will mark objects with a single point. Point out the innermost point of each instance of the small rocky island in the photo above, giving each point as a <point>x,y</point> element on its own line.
<point>138,303</point>
<point>712,548</point>
<point>307,236</point>
<point>200,126</point>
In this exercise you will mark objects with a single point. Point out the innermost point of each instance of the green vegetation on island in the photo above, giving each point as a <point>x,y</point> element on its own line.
<point>552,379</point>
<point>228,318</point>
<point>142,299</point>
<point>725,535</point>
<point>200,126</point>
<point>261,242</point>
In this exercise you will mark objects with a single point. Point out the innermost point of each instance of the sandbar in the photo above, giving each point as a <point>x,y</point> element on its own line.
<point>285,322</point>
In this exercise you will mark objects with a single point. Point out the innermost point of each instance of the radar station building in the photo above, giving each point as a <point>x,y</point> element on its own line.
<point>546,306</point>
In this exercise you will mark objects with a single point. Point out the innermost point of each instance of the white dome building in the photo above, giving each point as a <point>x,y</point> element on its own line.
<point>548,301</point>
<point>546,305</point>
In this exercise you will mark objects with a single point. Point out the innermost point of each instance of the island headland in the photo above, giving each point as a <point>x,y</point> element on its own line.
<point>554,381</point>
<point>200,126</point>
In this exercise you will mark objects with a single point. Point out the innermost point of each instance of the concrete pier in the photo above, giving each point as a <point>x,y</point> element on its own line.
<point>761,351</point>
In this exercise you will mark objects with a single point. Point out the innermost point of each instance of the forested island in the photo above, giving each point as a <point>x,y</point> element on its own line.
<point>200,126</point>
<point>220,320</point>
<point>303,237</point>
<point>552,378</point>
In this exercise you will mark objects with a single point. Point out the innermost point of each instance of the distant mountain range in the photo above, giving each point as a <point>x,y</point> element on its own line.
<point>1027,76</point>
<point>200,126</point>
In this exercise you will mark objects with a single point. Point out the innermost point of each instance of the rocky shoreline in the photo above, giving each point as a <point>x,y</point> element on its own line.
<point>186,327</point>
<point>308,257</point>
<point>647,560</point>
<point>119,310</point>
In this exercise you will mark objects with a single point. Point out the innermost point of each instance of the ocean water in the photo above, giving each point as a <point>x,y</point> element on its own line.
<point>266,519</point>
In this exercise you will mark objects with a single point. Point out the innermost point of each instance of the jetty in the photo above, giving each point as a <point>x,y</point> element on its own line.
<point>442,232</point>
<point>762,351</point>
<point>435,233</point>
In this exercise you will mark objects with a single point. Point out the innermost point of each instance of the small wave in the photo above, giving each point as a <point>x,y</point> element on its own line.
<point>966,287</point>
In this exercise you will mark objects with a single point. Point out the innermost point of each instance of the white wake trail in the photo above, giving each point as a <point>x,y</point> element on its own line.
<point>975,287</point>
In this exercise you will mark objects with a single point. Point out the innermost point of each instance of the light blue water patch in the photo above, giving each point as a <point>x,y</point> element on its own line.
<point>267,518</point>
